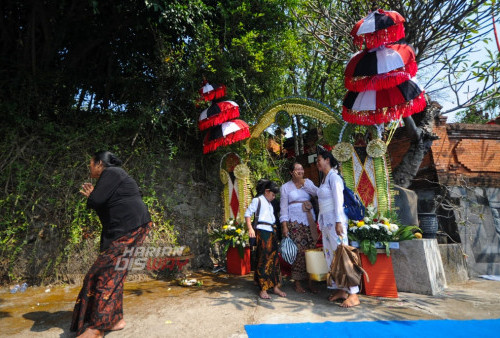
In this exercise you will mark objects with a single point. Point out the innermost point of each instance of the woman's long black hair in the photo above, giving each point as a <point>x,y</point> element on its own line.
<point>328,155</point>
<point>108,159</point>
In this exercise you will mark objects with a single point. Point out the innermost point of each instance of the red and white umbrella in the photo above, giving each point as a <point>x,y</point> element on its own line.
<point>218,113</point>
<point>209,93</point>
<point>378,28</point>
<point>225,134</point>
<point>381,106</point>
<point>380,68</point>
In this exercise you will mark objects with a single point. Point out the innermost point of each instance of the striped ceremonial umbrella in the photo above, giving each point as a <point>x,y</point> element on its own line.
<point>378,28</point>
<point>209,93</point>
<point>380,68</point>
<point>381,106</point>
<point>225,134</point>
<point>218,113</point>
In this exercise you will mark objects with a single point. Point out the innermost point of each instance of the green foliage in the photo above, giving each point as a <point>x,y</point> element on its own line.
<point>481,113</point>
<point>124,76</point>
<point>44,219</point>
<point>143,61</point>
<point>368,248</point>
<point>406,232</point>
<point>163,231</point>
<point>264,164</point>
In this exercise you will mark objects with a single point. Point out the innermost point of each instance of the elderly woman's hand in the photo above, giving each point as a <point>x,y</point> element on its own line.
<point>87,189</point>
<point>284,229</point>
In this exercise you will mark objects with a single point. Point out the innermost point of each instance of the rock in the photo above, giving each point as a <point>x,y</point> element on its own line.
<point>406,205</point>
<point>418,267</point>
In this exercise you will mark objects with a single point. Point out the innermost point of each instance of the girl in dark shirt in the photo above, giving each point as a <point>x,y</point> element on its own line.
<point>125,224</point>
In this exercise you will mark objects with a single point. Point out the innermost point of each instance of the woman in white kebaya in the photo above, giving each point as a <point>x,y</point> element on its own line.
<point>333,221</point>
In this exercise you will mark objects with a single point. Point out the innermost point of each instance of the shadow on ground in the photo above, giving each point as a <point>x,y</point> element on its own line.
<point>44,321</point>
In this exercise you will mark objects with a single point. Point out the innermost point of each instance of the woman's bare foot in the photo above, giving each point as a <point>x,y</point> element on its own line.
<point>351,301</point>
<point>277,291</point>
<point>91,333</point>
<point>298,287</point>
<point>339,294</point>
<point>264,295</point>
<point>312,288</point>
<point>118,326</point>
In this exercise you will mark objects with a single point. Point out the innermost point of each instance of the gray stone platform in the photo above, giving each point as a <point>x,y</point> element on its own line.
<point>418,267</point>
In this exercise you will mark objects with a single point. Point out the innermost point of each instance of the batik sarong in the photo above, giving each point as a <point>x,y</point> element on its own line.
<point>301,236</point>
<point>267,273</point>
<point>100,302</point>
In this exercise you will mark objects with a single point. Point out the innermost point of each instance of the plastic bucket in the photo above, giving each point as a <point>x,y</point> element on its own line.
<point>316,264</point>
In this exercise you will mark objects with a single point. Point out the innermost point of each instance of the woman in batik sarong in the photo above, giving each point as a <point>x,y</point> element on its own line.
<point>298,222</point>
<point>125,223</point>
<point>333,220</point>
<point>267,272</point>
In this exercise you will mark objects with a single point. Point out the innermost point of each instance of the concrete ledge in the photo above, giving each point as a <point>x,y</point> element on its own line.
<point>418,267</point>
<point>455,267</point>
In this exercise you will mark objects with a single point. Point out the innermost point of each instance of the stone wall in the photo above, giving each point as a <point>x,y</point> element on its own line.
<point>478,221</point>
<point>454,264</point>
<point>193,196</point>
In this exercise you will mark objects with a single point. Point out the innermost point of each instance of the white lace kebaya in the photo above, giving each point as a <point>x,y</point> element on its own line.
<point>290,211</point>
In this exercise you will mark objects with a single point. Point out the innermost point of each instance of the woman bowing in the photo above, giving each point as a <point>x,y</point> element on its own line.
<point>125,224</point>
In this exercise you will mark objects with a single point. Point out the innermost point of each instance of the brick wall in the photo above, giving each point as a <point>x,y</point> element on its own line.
<point>468,151</point>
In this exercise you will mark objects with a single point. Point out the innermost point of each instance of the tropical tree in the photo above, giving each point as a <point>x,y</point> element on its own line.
<point>77,75</point>
<point>444,35</point>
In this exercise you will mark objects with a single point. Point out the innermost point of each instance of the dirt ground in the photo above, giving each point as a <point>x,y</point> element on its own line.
<point>225,303</point>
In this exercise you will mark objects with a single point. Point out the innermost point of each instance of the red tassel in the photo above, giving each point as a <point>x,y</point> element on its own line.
<point>215,94</point>
<point>381,37</point>
<point>227,140</point>
<point>217,119</point>
<point>378,82</point>
<point>386,114</point>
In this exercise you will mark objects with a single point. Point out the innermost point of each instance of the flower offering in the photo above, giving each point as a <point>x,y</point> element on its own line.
<point>232,234</point>
<point>376,228</point>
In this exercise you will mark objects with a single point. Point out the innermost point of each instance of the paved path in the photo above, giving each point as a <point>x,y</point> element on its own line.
<point>225,303</point>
